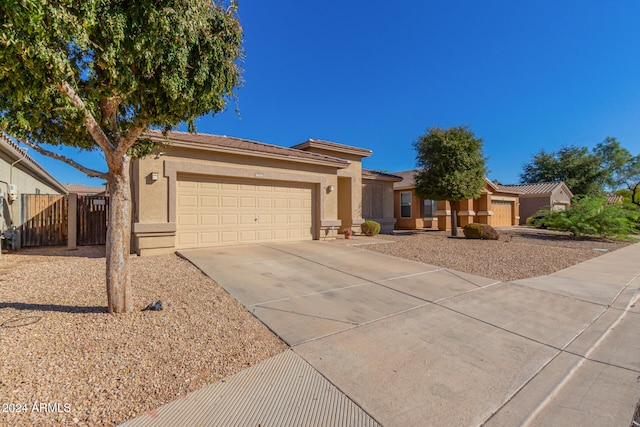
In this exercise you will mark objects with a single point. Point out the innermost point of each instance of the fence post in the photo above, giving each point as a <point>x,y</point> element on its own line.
<point>72,221</point>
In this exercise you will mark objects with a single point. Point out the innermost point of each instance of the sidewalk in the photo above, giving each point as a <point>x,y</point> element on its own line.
<point>380,340</point>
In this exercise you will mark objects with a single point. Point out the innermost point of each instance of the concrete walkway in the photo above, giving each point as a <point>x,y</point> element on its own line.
<point>377,339</point>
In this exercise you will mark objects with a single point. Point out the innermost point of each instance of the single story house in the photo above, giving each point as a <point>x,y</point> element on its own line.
<point>20,174</point>
<point>495,206</point>
<point>377,198</point>
<point>204,190</point>
<point>533,197</point>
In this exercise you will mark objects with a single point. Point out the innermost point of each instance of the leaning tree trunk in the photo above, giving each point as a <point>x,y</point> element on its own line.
<point>119,292</point>
<point>454,218</point>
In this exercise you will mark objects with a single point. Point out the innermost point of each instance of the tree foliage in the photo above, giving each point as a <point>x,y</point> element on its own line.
<point>96,74</point>
<point>591,216</point>
<point>451,166</point>
<point>584,171</point>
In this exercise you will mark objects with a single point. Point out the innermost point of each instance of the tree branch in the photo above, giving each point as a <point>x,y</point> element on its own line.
<point>89,121</point>
<point>90,172</point>
<point>129,140</point>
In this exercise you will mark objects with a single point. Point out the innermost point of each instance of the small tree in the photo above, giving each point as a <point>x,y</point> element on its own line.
<point>451,167</point>
<point>96,74</point>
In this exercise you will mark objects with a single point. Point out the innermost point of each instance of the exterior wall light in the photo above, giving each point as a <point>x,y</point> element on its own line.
<point>154,176</point>
<point>330,188</point>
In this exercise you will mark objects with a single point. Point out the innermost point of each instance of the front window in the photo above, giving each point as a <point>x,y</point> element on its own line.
<point>428,208</point>
<point>405,205</point>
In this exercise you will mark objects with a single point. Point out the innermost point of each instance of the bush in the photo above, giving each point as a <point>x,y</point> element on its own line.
<point>591,216</point>
<point>480,231</point>
<point>370,228</point>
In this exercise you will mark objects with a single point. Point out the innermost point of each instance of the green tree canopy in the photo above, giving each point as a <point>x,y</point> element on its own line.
<point>451,166</point>
<point>585,172</point>
<point>96,74</point>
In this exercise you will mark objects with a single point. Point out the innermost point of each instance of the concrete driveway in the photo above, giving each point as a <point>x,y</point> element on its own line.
<point>414,344</point>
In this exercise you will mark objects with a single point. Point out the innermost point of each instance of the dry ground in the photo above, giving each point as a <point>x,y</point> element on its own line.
<point>520,253</point>
<point>58,346</point>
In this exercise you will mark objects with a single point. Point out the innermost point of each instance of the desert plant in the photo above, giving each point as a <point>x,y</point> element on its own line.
<point>480,231</point>
<point>370,228</point>
<point>591,216</point>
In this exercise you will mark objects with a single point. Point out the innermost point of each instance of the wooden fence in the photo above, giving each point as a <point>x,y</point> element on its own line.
<point>44,220</point>
<point>93,212</point>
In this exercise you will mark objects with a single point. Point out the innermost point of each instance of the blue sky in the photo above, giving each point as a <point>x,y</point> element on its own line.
<point>376,74</point>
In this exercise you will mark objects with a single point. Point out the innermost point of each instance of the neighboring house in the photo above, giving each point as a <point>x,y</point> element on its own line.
<point>208,190</point>
<point>411,211</point>
<point>495,206</point>
<point>614,198</point>
<point>377,198</point>
<point>533,197</point>
<point>85,190</point>
<point>20,174</point>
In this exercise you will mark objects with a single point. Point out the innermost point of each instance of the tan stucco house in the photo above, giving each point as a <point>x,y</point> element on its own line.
<point>207,190</point>
<point>20,174</point>
<point>533,197</point>
<point>377,198</point>
<point>495,206</point>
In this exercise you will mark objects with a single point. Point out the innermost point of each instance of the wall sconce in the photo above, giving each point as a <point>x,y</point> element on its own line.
<point>330,188</point>
<point>154,176</point>
<point>160,154</point>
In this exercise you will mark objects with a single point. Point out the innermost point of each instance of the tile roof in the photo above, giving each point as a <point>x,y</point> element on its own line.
<point>537,189</point>
<point>407,179</point>
<point>614,198</point>
<point>371,174</point>
<point>333,146</point>
<point>245,146</point>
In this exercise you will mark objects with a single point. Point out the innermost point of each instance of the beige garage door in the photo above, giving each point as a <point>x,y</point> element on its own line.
<point>214,211</point>
<point>501,213</point>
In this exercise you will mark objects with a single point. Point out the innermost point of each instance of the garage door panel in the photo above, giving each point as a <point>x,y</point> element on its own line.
<point>501,213</point>
<point>186,220</point>
<point>209,220</point>
<point>209,201</point>
<point>216,211</point>
<point>229,236</point>
<point>229,219</point>
<point>229,202</point>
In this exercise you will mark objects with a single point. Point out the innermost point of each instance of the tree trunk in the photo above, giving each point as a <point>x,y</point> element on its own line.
<point>454,218</point>
<point>118,245</point>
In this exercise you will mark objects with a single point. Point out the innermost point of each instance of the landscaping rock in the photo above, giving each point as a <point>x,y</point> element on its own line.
<point>480,231</point>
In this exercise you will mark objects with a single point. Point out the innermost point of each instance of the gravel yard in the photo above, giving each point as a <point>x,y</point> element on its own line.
<point>59,347</point>
<point>65,361</point>
<point>520,252</point>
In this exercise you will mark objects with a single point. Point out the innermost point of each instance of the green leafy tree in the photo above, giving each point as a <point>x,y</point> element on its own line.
<point>451,166</point>
<point>96,75</point>
<point>607,167</point>
<point>580,170</point>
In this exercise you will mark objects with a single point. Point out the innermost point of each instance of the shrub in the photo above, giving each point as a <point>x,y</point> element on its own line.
<point>591,216</point>
<point>370,228</point>
<point>480,231</point>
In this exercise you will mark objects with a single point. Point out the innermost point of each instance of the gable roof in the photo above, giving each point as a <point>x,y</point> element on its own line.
<point>333,146</point>
<point>229,144</point>
<point>407,180</point>
<point>538,189</point>
<point>371,174</point>
<point>14,151</point>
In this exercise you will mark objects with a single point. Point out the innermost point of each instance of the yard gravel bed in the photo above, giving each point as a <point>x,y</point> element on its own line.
<point>520,253</point>
<point>65,361</point>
